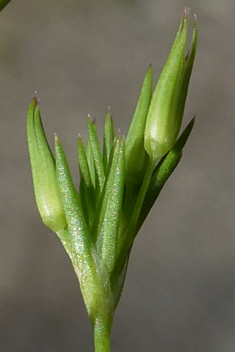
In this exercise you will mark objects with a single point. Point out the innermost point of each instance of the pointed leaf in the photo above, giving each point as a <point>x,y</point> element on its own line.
<point>87,191</point>
<point>90,161</point>
<point>77,226</point>
<point>109,135</point>
<point>136,156</point>
<point>96,152</point>
<point>110,212</point>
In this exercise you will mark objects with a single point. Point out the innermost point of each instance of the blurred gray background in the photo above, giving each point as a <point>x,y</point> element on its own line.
<point>82,56</point>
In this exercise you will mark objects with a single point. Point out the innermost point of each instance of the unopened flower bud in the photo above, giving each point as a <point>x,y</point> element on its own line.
<point>43,171</point>
<point>167,105</point>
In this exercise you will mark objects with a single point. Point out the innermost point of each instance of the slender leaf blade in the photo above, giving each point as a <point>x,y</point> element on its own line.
<point>109,135</point>
<point>87,191</point>
<point>96,152</point>
<point>77,226</point>
<point>136,156</point>
<point>110,212</point>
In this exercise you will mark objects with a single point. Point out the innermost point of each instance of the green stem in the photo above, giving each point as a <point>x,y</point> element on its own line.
<point>130,233</point>
<point>102,332</point>
<point>140,200</point>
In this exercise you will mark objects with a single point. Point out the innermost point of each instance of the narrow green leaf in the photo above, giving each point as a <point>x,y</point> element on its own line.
<point>87,191</point>
<point>136,156</point>
<point>95,147</point>
<point>77,226</point>
<point>110,212</point>
<point>90,161</point>
<point>109,135</point>
<point>83,163</point>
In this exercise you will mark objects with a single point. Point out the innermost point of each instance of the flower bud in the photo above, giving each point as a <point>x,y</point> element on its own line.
<point>43,171</point>
<point>167,105</point>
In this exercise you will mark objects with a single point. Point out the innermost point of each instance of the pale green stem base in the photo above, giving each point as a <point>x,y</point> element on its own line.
<point>102,333</point>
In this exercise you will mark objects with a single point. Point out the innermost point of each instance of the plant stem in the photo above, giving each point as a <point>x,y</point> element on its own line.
<point>102,332</point>
<point>130,233</point>
<point>140,200</point>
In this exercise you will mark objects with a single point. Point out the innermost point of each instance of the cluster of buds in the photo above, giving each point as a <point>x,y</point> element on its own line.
<point>97,224</point>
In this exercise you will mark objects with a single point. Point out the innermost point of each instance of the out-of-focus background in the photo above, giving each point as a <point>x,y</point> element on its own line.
<point>82,56</point>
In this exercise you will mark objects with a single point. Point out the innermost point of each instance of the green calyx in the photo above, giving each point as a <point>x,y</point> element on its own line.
<point>119,183</point>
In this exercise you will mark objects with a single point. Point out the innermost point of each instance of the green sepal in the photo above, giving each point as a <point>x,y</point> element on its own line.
<point>97,156</point>
<point>43,172</point>
<point>87,191</point>
<point>111,207</point>
<point>163,171</point>
<point>3,3</point>
<point>163,121</point>
<point>109,134</point>
<point>136,156</point>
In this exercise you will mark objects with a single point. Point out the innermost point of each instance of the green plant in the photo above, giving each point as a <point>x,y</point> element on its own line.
<point>98,224</point>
